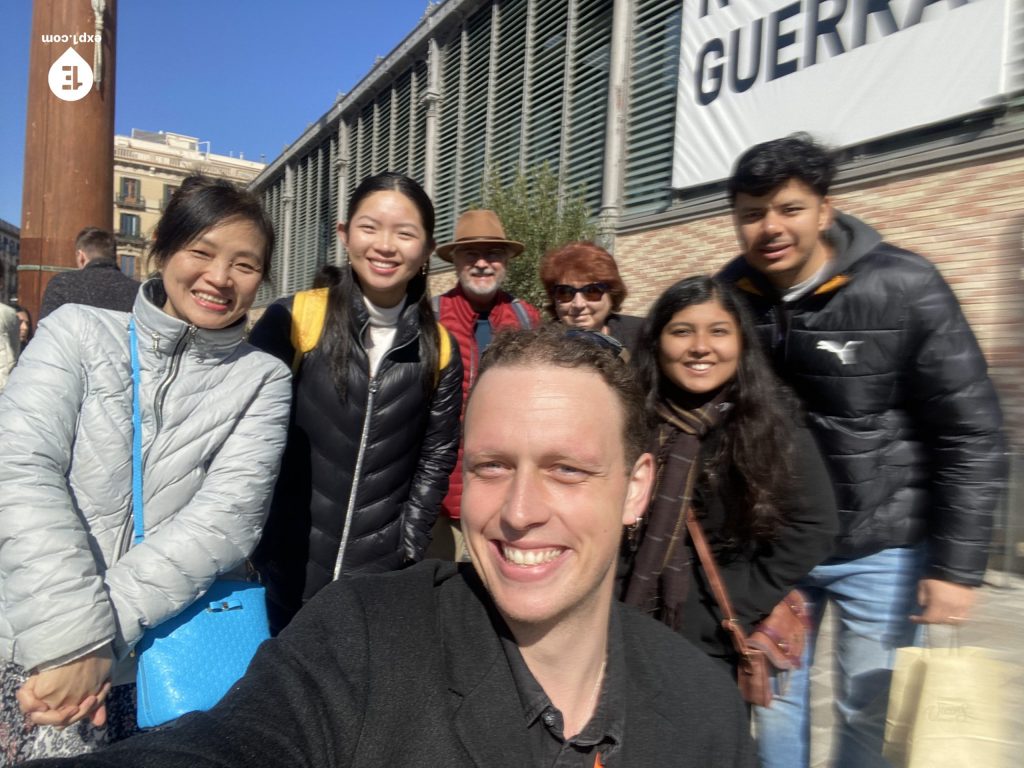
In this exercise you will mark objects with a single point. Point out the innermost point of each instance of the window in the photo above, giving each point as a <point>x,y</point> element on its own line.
<point>129,225</point>
<point>129,187</point>
<point>128,265</point>
<point>130,195</point>
<point>650,126</point>
<point>169,190</point>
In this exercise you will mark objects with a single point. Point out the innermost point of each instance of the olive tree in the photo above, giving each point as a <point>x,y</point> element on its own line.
<point>535,214</point>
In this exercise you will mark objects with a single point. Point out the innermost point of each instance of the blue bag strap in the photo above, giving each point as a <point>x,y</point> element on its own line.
<point>137,512</point>
<point>521,314</point>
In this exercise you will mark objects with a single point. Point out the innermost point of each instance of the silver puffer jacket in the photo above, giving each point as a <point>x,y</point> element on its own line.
<point>214,422</point>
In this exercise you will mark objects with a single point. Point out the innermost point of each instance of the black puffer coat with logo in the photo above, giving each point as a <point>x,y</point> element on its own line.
<point>898,396</point>
<point>362,478</point>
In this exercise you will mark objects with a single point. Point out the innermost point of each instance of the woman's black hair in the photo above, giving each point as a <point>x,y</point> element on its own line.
<point>338,333</point>
<point>19,308</point>
<point>200,204</point>
<point>752,467</point>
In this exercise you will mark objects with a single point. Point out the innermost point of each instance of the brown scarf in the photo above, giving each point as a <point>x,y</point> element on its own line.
<point>660,577</point>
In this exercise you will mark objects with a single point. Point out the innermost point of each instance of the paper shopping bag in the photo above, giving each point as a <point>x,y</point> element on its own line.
<point>946,709</point>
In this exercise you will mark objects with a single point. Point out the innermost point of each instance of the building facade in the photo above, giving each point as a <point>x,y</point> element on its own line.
<point>617,97</point>
<point>9,243</point>
<point>491,85</point>
<point>148,167</point>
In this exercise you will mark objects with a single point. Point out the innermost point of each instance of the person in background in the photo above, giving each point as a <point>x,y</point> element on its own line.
<point>375,420</point>
<point>76,594</point>
<point>876,346</point>
<point>473,310</point>
<point>586,292</point>
<point>98,281</point>
<point>24,325</point>
<point>10,346</point>
<point>731,442</point>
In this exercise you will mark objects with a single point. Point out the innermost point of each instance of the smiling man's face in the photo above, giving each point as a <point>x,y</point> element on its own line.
<point>481,270</point>
<point>782,233</point>
<point>547,491</point>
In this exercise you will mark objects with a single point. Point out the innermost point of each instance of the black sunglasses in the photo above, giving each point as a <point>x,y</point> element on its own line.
<point>563,293</point>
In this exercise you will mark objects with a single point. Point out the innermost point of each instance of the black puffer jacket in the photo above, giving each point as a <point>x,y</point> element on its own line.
<point>362,479</point>
<point>898,396</point>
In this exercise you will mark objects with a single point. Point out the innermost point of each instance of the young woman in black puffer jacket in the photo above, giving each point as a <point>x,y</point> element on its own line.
<point>375,417</point>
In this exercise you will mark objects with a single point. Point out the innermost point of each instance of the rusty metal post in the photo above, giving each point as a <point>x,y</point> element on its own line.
<point>69,144</point>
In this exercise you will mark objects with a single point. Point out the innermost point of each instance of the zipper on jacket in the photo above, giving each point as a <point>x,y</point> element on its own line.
<point>474,358</point>
<point>780,344</point>
<point>356,474</point>
<point>372,386</point>
<point>158,402</point>
<point>172,374</point>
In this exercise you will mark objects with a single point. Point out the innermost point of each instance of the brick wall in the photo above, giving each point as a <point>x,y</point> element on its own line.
<point>441,282</point>
<point>969,220</point>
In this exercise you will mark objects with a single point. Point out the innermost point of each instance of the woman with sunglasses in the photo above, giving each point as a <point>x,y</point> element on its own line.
<point>730,442</point>
<point>586,291</point>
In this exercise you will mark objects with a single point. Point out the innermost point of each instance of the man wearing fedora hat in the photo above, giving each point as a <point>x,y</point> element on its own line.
<point>472,311</point>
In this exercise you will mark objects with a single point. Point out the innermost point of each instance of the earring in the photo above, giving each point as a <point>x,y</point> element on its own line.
<point>633,532</point>
<point>425,269</point>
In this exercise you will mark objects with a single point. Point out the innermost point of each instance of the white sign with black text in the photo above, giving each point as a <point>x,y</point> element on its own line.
<point>847,71</point>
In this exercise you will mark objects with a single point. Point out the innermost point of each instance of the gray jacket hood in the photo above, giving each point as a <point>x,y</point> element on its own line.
<point>851,239</point>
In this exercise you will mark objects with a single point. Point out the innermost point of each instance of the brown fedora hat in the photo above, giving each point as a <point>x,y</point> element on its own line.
<point>478,228</point>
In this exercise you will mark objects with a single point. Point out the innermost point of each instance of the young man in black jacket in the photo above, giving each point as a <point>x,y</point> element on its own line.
<point>519,659</point>
<point>98,281</point>
<point>874,342</point>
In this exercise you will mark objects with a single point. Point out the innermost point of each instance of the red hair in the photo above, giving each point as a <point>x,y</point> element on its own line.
<point>582,262</point>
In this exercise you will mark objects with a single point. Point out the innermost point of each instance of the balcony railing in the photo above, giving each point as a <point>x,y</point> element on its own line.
<point>131,201</point>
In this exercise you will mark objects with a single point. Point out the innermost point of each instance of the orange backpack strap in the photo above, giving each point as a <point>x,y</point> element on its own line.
<point>309,309</point>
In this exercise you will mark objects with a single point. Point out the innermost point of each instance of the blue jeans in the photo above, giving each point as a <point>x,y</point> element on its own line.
<point>873,596</point>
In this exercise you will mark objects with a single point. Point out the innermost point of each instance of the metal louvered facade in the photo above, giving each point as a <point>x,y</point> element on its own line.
<point>486,86</point>
<point>590,87</point>
<point>587,86</point>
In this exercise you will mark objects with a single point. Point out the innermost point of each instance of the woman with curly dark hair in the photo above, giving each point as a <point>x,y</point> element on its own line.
<point>729,441</point>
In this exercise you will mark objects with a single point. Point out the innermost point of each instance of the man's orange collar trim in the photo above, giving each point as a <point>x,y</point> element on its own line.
<point>836,282</point>
<point>746,284</point>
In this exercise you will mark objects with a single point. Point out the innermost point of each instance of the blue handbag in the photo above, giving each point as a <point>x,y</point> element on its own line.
<point>188,662</point>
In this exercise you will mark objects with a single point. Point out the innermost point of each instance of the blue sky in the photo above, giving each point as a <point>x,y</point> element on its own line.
<point>247,77</point>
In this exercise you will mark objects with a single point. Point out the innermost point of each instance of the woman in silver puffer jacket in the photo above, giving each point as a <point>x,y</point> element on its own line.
<point>75,595</point>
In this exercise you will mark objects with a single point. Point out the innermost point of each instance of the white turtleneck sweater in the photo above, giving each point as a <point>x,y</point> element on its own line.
<point>380,334</point>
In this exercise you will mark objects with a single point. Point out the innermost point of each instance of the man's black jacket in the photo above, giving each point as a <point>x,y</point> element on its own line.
<point>898,396</point>
<point>407,669</point>
<point>99,283</point>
